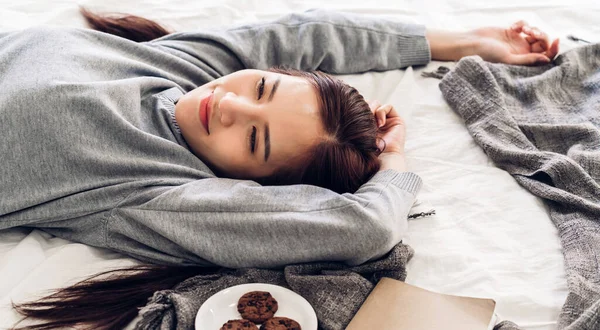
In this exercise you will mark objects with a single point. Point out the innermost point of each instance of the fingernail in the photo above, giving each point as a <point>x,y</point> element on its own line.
<point>379,123</point>
<point>514,26</point>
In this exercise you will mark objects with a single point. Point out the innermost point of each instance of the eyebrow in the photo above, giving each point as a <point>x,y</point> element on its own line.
<point>274,89</point>
<point>267,134</point>
<point>267,143</point>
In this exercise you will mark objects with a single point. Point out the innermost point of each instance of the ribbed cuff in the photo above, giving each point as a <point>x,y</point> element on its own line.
<point>414,49</point>
<point>404,180</point>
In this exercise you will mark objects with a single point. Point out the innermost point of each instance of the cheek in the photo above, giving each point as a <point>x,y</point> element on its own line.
<point>226,153</point>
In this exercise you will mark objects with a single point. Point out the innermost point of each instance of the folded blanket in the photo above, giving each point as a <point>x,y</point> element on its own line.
<point>334,290</point>
<point>542,125</point>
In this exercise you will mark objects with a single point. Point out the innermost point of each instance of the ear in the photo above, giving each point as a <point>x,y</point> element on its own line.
<point>380,143</point>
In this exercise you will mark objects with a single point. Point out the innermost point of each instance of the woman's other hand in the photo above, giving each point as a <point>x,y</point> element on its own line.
<point>518,44</point>
<point>391,136</point>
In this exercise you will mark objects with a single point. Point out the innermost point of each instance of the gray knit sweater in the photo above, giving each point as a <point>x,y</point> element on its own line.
<point>90,150</point>
<point>542,125</point>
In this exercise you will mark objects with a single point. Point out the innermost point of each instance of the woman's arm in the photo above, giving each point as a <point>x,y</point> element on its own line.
<point>237,223</point>
<point>346,43</point>
<point>519,44</point>
<point>329,41</point>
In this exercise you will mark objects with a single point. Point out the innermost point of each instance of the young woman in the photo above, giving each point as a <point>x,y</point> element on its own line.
<point>195,149</point>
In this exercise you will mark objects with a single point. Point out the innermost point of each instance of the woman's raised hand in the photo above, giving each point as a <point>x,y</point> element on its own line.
<point>391,136</point>
<point>518,44</point>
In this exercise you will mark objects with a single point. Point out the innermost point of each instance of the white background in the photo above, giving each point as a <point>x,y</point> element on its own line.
<point>490,238</point>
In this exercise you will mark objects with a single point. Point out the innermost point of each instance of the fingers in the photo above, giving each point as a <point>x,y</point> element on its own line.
<point>383,113</point>
<point>380,117</point>
<point>377,110</point>
<point>518,26</point>
<point>530,39</point>
<point>550,51</point>
<point>537,47</point>
<point>539,37</point>
<point>539,41</point>
<point>553,50</point>
<point>528,59</point>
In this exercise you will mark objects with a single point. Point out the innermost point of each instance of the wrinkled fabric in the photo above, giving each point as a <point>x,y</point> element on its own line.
<point>335,290</point>
<point>542,125</point>
<point>92,152</point>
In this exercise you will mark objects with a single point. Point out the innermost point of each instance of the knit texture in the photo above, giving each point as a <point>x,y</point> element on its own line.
<point>334,290</point>
<point>91,151</point>
<point>541,124</point>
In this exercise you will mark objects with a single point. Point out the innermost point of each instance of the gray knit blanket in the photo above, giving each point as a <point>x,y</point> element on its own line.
<point>335,290</point>
<point>542,125</point>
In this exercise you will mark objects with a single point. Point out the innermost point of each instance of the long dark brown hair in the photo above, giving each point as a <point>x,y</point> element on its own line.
<point>347,156</point>
<point>127,26</point>
<point>342,161</point>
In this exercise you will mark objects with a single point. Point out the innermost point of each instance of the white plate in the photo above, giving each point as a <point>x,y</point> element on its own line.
<point>222,306</point>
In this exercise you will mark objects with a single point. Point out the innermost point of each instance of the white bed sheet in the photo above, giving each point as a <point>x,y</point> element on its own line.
<point>489,237</point>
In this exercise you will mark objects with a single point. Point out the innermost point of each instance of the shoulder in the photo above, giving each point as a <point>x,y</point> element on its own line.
<point>45,32</point>
<point>53,36</point>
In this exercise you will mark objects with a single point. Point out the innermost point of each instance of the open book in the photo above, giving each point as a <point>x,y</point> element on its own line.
<point>395,305</point>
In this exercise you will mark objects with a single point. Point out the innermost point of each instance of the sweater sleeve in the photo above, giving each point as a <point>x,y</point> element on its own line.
<point>235,223</point>
<point>339,43</point>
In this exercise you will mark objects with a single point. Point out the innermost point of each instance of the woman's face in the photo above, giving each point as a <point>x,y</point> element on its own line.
<point>250,123</point>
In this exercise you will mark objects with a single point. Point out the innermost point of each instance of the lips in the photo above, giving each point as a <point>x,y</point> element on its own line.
<point>204,111</point>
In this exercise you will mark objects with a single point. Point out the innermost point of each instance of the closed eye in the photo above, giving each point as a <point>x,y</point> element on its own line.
<point>253,139</point>
<point>261,88</point>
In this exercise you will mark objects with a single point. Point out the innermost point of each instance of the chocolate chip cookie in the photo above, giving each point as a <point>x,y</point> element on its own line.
<point>257,306</point>
<point>239,325</point>
<point>280,323</point>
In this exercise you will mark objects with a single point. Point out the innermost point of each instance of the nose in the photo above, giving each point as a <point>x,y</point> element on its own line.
<point>234,109</point>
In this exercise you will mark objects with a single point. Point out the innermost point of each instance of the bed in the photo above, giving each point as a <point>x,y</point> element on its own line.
<point>489,237</point>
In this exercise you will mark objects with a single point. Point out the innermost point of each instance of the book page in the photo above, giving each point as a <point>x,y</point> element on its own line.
<point>395,305</point>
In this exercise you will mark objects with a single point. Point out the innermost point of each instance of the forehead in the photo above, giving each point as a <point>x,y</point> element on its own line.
<point>294,120</point>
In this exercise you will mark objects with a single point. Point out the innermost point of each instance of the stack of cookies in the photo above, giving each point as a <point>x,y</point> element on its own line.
<point>259,307</point>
